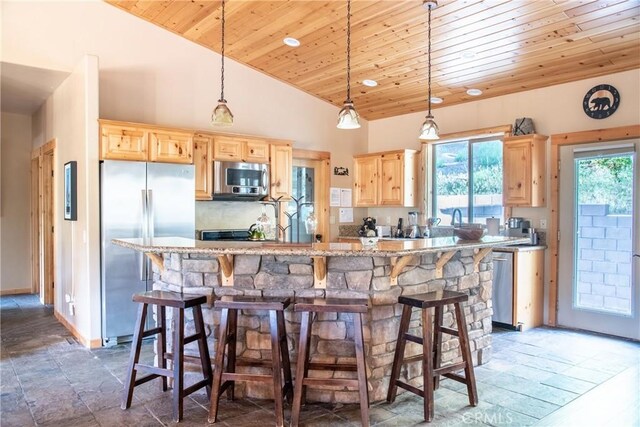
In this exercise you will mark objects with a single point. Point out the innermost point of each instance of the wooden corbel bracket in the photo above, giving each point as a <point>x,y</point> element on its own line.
<point>397,265</point>
<point>442,260</point>
<point>477,257</point>
<point>156,259</point>
<point>226,267</point>
<point>319,272</point>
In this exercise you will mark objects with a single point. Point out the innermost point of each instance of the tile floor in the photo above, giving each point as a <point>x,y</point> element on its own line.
<point>543,377</point>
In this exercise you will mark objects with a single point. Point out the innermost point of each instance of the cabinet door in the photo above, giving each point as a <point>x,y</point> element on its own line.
<point>281,170</point>
<point>170,147</point>
<point>391,180</point>
<point>256,152</point>
<point>517,173</point>
<point>225,148</point>
<point>365,185</point>
<point>123,143</point>
<point>528,292</point>
<point>203,162</point>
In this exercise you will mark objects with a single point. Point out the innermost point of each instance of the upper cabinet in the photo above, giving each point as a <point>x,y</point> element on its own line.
<point>385,179</point>
<point>240,150</point>
<point>281,168</point>
<point>144,143</point>
<point>203,162</point>
<point>170,147</point>
<point>524,170</point>
<point>123,142</point>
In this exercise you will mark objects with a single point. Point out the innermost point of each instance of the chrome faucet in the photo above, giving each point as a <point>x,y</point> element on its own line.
<point>453,217</point>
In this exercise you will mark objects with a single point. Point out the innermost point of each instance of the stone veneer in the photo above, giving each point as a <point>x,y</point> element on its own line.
<point>347,277</point>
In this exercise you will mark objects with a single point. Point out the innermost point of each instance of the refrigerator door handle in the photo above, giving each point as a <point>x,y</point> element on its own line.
<point>151,230</point>
<point>143,232</point>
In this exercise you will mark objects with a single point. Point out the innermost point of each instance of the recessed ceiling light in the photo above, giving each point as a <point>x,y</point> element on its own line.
<point>468,54</point>
<point>474,92</point>
<point>291,42</point>
<point>370,83</point>
<point>436,100</point>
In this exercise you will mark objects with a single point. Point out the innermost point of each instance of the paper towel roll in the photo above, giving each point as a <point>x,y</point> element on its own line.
<point>493,226</point>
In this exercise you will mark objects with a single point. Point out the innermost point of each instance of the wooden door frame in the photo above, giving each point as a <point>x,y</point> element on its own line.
<point>323,183</point>
<point>43,219</point>
<point>558,140</point>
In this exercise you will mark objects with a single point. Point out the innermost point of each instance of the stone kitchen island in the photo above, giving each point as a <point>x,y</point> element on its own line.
<point>339,270</point>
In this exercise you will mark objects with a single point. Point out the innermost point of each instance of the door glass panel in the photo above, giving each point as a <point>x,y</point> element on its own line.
<point>451,180</point>
<point>298,212</point>
<point>604,233</point>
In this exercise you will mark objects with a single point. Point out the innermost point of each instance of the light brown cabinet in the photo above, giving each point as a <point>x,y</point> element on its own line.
<point>281,169</point>
<point>385,179</point>
<point>240,150</point>
<point>170,147</point>
<point>528,288</point>
<point>524,170</point>
<point>130,141</point>
<point>123,143</point>
<point>203,162</point>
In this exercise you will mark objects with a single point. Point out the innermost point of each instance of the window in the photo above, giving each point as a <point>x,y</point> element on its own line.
<point>468,176</point>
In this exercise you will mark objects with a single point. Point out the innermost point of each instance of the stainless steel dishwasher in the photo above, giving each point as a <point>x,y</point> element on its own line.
<point>502,293</point>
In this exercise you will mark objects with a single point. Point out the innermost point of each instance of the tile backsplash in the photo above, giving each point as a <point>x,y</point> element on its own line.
<point>228,215</point>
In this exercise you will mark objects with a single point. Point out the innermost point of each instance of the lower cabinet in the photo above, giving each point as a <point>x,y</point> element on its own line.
<point>524,308</point>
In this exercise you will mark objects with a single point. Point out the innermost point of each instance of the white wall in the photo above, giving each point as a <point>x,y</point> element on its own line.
<point>150,75</point>
<point>555,109</point>
<point>70,116</point>
<point>15,213</point>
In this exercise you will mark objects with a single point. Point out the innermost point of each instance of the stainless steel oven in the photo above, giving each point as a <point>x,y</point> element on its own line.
<point>240,181</point>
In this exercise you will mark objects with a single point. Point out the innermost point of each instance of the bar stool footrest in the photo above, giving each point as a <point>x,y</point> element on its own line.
<point>162,372</point>
<point>341,382</point>
<point>197,386</point>
<point>145,379</point>
<point>232,376</point>
<point>413,338</point>
<point>408,387</point>
<point>456,377</point>
<point>449,368</point>
<point>153,331</point>
<point>450,331</point>
<point>350,367</point>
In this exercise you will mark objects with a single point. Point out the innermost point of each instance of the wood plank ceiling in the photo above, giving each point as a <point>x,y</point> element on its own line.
<point>498,46</point>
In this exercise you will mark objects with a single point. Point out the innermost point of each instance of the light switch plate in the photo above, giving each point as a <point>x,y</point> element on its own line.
<point>543,223</point>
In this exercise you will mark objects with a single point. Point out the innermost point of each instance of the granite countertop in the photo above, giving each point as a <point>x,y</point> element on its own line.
<point>520,248</point>
<point>384,248</point>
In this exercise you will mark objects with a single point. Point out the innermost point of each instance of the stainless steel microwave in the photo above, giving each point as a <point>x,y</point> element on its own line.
<point>240,181</point>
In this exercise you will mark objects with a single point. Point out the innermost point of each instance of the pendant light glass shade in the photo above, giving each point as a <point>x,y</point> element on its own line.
<point>221,115</point>
<point>348,117</point>
<point>429,130</point>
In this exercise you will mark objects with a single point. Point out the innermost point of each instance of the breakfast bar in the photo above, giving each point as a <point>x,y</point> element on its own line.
<point>378,273</point>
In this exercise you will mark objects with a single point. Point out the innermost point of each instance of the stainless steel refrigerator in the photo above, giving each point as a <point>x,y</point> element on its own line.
<point>137,199</point>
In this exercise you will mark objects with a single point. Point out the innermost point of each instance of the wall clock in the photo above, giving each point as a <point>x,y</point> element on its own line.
<point>601,101</point>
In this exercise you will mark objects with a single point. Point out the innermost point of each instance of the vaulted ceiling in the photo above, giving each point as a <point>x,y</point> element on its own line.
<point>498,46</point>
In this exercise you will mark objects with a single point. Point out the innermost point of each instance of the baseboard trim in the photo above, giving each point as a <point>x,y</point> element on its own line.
<point>85,342</point>
<point>16,291</point>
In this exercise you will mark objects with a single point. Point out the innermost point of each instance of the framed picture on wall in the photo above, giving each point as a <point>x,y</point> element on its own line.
<point>70,193</point>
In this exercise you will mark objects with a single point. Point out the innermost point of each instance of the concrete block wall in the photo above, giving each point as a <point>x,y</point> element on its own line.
<point>604,259</point>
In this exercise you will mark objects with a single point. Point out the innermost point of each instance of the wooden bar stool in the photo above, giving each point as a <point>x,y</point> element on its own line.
<point>355,306</point>
<point>227,345</point>
<point>431,355</point>
<point>178,302</point>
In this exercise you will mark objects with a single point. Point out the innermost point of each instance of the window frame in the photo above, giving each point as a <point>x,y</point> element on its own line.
<point>432,179</point>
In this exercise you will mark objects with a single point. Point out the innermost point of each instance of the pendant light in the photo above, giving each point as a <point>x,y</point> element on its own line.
<point>429,130</point>
<point>348,117</point>
<point>221,115</point>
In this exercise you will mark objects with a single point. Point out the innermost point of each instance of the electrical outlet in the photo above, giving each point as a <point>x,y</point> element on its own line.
<point>543,223</point>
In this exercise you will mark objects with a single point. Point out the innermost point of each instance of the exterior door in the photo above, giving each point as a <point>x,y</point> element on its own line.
<point>599,239</point>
